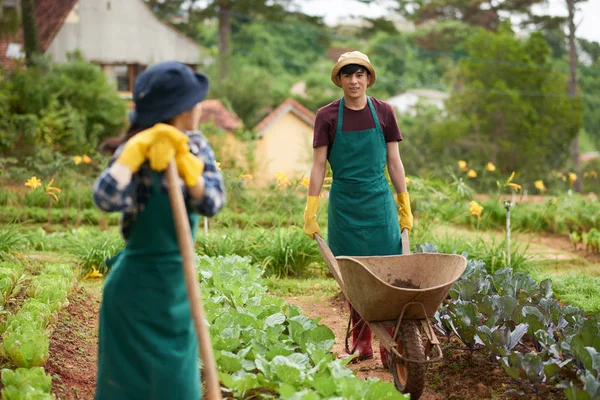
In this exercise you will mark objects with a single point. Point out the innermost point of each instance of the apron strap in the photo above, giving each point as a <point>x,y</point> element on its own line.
<point>340,117</point>
<point>374,114</point>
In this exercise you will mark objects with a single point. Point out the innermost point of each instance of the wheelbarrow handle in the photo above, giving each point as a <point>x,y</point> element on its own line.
<point>405,242</point>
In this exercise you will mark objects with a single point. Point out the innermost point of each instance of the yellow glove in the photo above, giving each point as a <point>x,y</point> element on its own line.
<point>310,217</point>
<point>189,167</point>
<point>158,145</point>
<point>405,216</point>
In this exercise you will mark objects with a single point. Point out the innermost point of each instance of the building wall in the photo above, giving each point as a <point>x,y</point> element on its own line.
<point>286,145</point>
<point>121,32</point>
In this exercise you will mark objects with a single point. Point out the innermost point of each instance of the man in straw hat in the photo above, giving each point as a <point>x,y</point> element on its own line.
<point>359,136</point>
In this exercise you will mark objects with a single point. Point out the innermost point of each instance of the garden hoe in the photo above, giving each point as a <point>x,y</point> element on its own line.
<point>184,238</point>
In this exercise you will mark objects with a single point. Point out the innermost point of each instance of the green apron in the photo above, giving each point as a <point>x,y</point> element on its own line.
<point>362,217</point>
<point>147,342</point>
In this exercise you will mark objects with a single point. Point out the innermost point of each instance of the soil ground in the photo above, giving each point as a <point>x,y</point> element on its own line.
<point>460,376</point>
<point>73,345</point>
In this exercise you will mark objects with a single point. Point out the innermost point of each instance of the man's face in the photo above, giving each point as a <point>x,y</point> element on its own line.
<point>354,85</point>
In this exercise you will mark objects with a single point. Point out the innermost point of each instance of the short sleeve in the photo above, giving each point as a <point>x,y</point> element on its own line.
<point>392,130</point>
<point>322,129</point>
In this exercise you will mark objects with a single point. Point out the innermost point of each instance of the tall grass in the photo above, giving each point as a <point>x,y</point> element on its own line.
<point>10,240</point>
<point>279,251</point>
<point>93,247</point>
<point>490,250</point>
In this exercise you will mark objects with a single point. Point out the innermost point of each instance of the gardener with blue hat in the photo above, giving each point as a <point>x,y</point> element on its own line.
<point>147,343</point>
<point>359,136</point>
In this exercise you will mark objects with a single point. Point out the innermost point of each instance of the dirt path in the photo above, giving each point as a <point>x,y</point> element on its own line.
<point>73,345</point>
<point>458,377</point>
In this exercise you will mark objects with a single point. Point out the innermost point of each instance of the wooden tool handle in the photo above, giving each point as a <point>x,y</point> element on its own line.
<point>405,242</point>
<point>184,238</point>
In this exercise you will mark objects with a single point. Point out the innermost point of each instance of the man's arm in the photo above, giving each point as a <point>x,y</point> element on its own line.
<point>317,173</point>
<point>395,167</point>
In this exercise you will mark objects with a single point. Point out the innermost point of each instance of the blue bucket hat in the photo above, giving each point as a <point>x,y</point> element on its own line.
<point>164,91</point>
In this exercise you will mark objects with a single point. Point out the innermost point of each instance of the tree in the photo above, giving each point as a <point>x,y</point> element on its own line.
<point>485,13</point>
<point>166,9</point>
<point>229,11</point>
<point>514,113</point>
<point>573,83</point>
<point>30,38</point>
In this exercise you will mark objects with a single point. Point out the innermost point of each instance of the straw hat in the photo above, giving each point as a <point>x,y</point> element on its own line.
<point>353,57</point>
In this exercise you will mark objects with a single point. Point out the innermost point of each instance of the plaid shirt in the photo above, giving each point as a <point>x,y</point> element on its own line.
<point>132,199</point>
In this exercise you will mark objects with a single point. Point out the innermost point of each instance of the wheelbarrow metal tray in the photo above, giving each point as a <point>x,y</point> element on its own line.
<point>379,287</point>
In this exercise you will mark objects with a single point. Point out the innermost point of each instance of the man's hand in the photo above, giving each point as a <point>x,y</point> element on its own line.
<point>405,217</point>
<point>310,217</point>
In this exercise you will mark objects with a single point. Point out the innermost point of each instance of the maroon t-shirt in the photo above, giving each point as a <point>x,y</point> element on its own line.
<point>354,120</point>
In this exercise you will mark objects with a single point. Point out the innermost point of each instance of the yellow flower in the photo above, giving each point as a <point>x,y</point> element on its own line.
<point>407,179</point>
<point>490,167</point>
<point>77,160</point>
<point>33,182</point>
<point>281,176</point>
<point>585,174</point>
<point>246,176</point>
<point>510,178</point>
<point>472,173</point>
<point>475,209</point>
<point>86,159</point>
<point>540,185</point>
<point>594,174</point>
<point>93,274</point>
<point>50,190</point>
<point>218,165</point>
<point>515,186</point>
<point>462,164</point>
<point>572,177</point>
<point>304,181</point>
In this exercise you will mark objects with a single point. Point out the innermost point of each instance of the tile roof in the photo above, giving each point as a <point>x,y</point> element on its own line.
<point>50,16</point>
<point>214,111</point>
<point>285,107</point>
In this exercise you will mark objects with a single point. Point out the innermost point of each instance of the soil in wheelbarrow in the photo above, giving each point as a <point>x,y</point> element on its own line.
<point>405,284</point>
<point>461,376</point>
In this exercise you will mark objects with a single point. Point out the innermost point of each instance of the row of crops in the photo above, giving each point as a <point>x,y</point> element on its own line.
<point>531,335</point>
<point>26,332</point>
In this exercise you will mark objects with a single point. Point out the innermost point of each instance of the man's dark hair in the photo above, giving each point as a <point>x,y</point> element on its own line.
<point>352,68</point>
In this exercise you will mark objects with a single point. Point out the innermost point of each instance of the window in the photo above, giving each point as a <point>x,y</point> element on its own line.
<point>122,77</point>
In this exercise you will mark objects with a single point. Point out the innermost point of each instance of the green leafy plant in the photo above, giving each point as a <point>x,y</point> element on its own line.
<point>26,383</point>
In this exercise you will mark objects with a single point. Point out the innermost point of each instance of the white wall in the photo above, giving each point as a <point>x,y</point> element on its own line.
<point>123,32</point>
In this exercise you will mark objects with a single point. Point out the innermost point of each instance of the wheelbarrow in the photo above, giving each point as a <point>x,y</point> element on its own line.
<point>397,296</point>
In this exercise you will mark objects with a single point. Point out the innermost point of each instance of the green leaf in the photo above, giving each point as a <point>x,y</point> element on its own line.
<point>275,319</point>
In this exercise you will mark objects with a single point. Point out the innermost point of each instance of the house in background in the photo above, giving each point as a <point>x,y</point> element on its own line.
<point>406,103</point>
<point>285,142</point>
<point>124,37</point>
<point>215,112</point>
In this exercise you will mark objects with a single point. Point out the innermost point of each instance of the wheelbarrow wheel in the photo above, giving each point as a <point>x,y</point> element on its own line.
<point>409,377</point>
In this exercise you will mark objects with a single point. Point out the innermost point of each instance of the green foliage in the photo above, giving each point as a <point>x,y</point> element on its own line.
<point>279,251</point>
<point>513,112</point>
<point>263,345</point>
<point>92,248</point>
<point>497,312</point>
<point>57,215</point>
<point>289,46</point>
<point>26,384</point>
<point>76,108</point>
<point>249,89</point>
<point>10,239</point>
<point>25,341</point>
<point>10,275</point>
